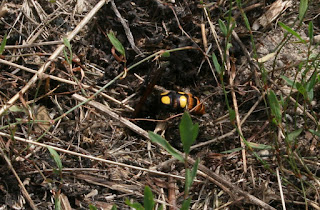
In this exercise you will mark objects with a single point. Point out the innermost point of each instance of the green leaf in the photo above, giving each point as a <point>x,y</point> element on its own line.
<point>136,205</point>
<point>275,106</point>
<point>188,132</point>
<point>17,108</point>
<point>293,135</point>
<point>250,144</point>
<point>190,175</point>
<point>195,169</point>
<point>301,88</point>
<point>116,43</point>
<point>68,45</point>
<point>148,199</point>
<point>216,63</point>
<point>310,86</point>
<point>166,54</point>
<point>158,139</point>
<point>229,45</point>
<point>259,146</point>
<point>232,150</point>
<point>186,204</point>
<point>312,82</point>
<point>56,158</point>
<point>3,44</point>
<point>317,133</point>
<point>233,25</point>
<point>291,31</point>
<point>92,207</point>
<point>302,9</point>
<point>232,114</point>
<point>114,207</point>
<point>310,31</point>
<point>223,27</point>
<point>310,95</point>
<point>246,21</point>
<point>289,81</point>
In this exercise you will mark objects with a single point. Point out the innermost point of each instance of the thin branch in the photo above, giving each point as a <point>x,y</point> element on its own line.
<point>9,47</point>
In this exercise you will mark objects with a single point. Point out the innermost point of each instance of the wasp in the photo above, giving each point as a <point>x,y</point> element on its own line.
<point>182,100</point>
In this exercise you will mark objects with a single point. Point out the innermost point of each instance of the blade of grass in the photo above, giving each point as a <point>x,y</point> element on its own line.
<point>291,31</point>
<point>302,9</point>
<point>275,106</point>
<point>310,31</point>
<point>56,158</point>
<point>116,43</point>
<point>216,63</point>
<point>148,199</point>
<point>158,139</point>
<point>3,44</point>
<point>66,42</point>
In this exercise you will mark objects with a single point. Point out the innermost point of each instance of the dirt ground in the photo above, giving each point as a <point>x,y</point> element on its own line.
<point>104,149</point>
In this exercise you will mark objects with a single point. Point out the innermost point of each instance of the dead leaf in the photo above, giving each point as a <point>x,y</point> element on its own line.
<point>271,14</point>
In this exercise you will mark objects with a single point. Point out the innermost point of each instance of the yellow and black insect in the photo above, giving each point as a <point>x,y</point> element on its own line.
<point>182,100</point>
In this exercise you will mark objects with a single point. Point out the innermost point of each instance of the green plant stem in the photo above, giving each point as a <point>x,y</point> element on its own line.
<point>186,193</point>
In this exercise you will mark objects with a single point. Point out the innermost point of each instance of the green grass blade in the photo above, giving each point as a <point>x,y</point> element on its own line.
<point>148,199</point>
<point>259,146</point>
<point>232,150</point>
<point>190,175</point>
<point>136,205</point>
<point>116,43</point>
<point>55,157</point>
<point>216,63</point>
<point>232,114</point>
<point>158,139</point>
<point>302,9</point>
<point>186,204</point>
<point>275,106</point>
<point>68,45</point>
<point>310,86</point>
<point>310,31</point>
<point>291,31</point>
<point>289,81</point>
<point>3,44</point>
<point>223,27</point>
<point>293,135</point>
<point>252,145</point>
<point>317,133</point>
